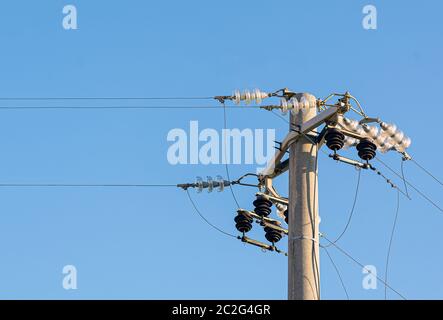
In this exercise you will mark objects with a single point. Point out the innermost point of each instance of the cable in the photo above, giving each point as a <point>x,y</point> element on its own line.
<point>337,271</point>
<point>206,220</point>
<point>352,211</point>
<point>84,185</point>
<point>362,266</point>
<point>403,178</point>
<point>427,171</point>
<point>225,155</point>
<point>100,98</point>
<point>390,241</point>
<point>411,185</point>
<point>120,107</point>
<point>388,181</point>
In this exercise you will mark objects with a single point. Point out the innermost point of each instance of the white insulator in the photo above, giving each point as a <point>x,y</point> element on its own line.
<point>398,136</point>
<point>360,131</point>
<point>350,142</point>
<point>284,106</point>
<point>341,121</point>
<point>312,102</point>
<point>349,124</point>
<point>281,208</point>
<point>390,129</point>
<point>404,144</point>
<point>353,125</point>
<point>387,145</point>
<point>304,104</point>
<point>346,121</point>
<point>210,184</point>
<point>371,131</point>
<point>236,96</point>
<point>199,182</point>
<point>380,139</point>
<point>221,183</point>
<point>295,105</point>
<point>259,95</point>
<point>247,96</point>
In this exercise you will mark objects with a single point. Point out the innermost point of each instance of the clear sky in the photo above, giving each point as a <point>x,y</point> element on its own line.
<point>149,243</point>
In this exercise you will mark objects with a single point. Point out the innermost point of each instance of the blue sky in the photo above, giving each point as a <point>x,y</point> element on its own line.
<point>148,243</point>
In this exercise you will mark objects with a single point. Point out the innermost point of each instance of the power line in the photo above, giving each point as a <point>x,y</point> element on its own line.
<point>206,220</point>
<point>390,241</point>
<point>337,271</point>
<point>411,185</point>
<point>225,155</point>
<point>352,211</point>
<point>427,171</point>
<point>403,177</point>
<point>121,107</point>
<point>100,98</point>
<point>362,266</point>
<point>388,181</point>
<point>58,185</point>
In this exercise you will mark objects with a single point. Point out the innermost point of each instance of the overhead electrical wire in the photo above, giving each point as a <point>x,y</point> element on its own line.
<point>351,212</point>
<point>58,185</point>
<point>215,107</point>
<point>403,178</point>
<point>388,256</point>
<point>427,171</point>
<point>206,220</point>
<point>100,98</point>
<point>363,266</point>
<point>336,271</point>
<point>225,156</point>
<point>411,185</point>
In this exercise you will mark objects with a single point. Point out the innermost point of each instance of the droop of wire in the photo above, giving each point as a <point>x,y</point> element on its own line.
<point>206,220</point>
<point>348,255</point>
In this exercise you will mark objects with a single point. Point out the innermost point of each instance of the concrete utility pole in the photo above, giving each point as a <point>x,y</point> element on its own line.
<point>300,208</point>
<point>303,252</point>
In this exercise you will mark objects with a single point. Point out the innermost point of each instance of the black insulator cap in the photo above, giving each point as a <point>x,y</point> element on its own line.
<point>272,235</point>
<point>366,149</point>
<point>335,139</point>
<point>262,206</point>
<point>286,215</point>
<point>242,223</point>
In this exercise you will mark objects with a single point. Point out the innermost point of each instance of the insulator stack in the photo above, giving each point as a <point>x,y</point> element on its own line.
<point>350,142</point>
<point>273,235</point>
<point>249,96</point>
<point>262,206</point>
<point>366,149</point>
<point>335,139</point>
<point>286,105</point>
<point>243,223</point>
<point>210,184</point>
<point>395,138</point>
